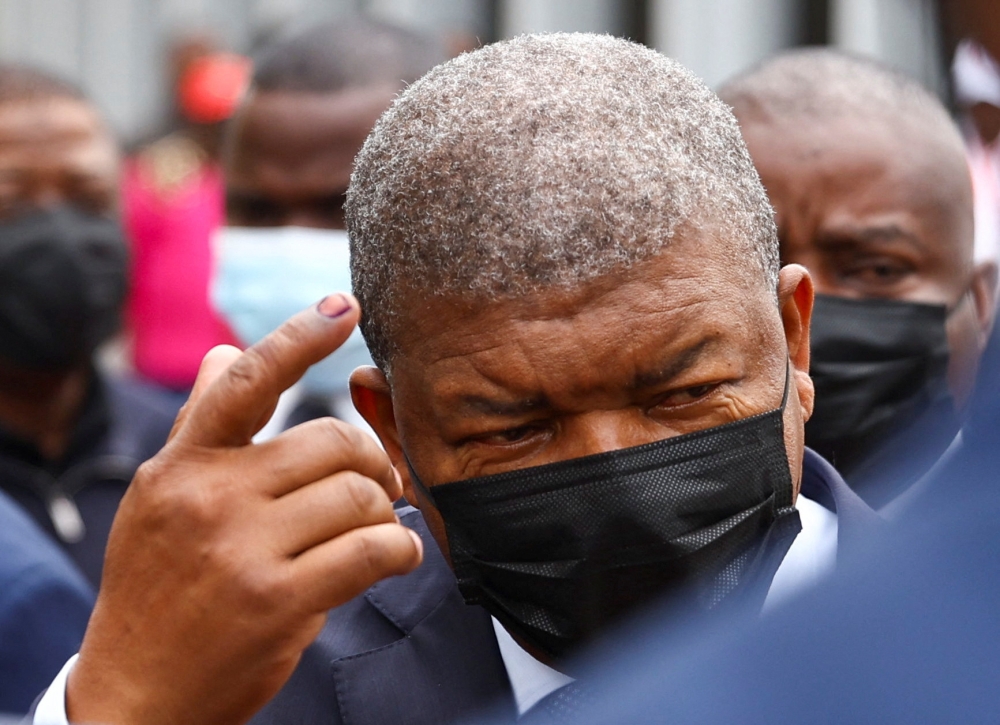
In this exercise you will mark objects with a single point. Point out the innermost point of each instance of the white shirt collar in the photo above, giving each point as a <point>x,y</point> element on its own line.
<point>530,679</point>
<point>811,556</point>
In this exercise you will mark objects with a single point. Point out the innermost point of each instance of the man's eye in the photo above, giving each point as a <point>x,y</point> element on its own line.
<point>511,435</point>
<point>688,395</point>
<point>879,271</point>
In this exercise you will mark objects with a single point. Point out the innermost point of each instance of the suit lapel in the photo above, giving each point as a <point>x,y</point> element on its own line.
<point>857,522</point>
<point>447,665</point>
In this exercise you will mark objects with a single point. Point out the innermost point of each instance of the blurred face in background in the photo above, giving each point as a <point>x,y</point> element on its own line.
<point>288,164</point>
<point>55,151</point>
<point>290,155</point>
<point>871,218</point>
<point>63,261</point>
<point>879,210</point>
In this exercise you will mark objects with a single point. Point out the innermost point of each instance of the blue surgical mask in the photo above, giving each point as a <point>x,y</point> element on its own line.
<point>264,276</point>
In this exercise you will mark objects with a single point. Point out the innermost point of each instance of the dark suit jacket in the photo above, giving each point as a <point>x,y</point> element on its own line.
<point>123,423</point>
<point>410,651</point>
<point>44,607</point>
<point>906,635</point>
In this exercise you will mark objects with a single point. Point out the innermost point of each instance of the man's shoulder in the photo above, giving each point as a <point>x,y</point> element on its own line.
<point>29,558</point>
<point>44,606</point>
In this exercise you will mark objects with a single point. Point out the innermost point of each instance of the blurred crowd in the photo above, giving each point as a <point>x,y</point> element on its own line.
<point>540,382</point>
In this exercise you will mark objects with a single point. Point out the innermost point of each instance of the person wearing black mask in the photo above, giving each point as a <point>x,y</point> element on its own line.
<point>591,386</point>
<point>70,438</point>
<point>868,177</point>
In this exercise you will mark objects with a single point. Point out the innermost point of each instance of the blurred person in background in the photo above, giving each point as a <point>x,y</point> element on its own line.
<point>592,384</point>
<point>315,96</point>
<point>173,204</point>
<point>972,27</point>
<point>70,437</point>
<point>867,174</point>
<point>44,606</point>
<point>976,83</point>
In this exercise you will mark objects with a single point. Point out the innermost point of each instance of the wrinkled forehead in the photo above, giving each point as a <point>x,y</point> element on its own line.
<point>298,124</point>
<point>38,123</point>
<point>62,136</point>
<point>878,164</point>
<point>694,288</point>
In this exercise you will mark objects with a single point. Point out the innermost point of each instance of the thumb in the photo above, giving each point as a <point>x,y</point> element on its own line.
<point>212,366</point>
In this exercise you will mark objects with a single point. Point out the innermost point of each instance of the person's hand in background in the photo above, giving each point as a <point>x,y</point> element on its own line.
<point>225,556</point>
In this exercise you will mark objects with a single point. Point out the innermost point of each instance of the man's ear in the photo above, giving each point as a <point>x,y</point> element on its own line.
<point>372,397</point>
<point>984,294</point>
<point>795,300</point>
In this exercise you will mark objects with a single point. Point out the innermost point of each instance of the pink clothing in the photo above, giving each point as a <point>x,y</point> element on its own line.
<point>984,165</point>
<point>171,320</point>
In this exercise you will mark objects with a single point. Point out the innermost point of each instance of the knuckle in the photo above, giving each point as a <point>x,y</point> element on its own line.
<point>266,592</point>
<point>342,434</point>
<point>245,374</point>
<point>148,473</point>
<point>177,500</point>
<point>366,497</point>
<point>372,555</point>
<point>380,551</point>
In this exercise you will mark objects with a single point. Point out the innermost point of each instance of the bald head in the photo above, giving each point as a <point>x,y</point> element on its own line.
<point>545,162</point>
<point>316,94</point>
<point>844,103</point>
<point>868,177</point>
<point>821,83</point>
<point>347,52</point>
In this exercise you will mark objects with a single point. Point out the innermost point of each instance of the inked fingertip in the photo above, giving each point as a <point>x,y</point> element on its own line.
<point>333,306</point>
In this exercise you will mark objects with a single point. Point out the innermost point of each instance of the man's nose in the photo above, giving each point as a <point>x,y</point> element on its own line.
<point>604,431</point>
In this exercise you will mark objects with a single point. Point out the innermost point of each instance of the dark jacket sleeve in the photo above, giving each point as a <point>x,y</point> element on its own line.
<point>43,615</point>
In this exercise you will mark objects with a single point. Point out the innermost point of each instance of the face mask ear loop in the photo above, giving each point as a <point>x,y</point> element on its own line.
<point>788,382</point>
<point>967,295</point>
<point>417,483</point>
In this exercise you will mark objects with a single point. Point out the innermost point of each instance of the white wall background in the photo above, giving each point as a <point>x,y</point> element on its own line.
<point>116,48</point>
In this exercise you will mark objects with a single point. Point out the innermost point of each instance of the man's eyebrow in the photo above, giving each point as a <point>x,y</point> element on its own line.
<point>866,234</point>
<point>489,406</point>
<point>677,364</point>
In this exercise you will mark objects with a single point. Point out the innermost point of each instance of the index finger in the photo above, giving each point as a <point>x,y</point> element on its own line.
<point>229,410</point>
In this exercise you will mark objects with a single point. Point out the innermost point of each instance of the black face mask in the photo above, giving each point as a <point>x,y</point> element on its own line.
<point>62,284</point>
<point>878,367</point>
<point>558,552</point>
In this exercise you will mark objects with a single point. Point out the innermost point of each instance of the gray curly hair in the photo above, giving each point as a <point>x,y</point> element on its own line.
<point>539,162</point>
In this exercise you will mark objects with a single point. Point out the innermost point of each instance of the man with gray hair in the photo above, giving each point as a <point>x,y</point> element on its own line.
<point>591,387</point>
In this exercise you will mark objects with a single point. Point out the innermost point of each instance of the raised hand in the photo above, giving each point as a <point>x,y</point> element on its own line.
<point>225,556</point>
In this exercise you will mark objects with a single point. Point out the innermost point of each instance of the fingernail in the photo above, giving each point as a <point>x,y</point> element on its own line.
<point>333,306</point>
<point>417,541</point>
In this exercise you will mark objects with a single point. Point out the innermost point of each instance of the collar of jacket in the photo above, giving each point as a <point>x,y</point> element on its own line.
<point>857,522</point>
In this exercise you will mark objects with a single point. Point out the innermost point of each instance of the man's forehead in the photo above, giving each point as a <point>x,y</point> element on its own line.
<point>691,282</point>
<point>49,119</point>
<point>859,136</point>
<point>302,140</point>
<point>871,176</point>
